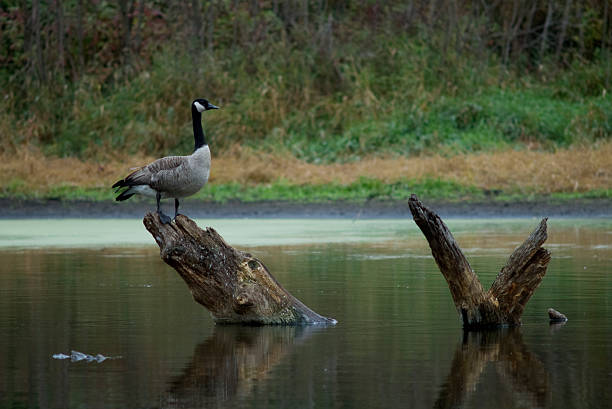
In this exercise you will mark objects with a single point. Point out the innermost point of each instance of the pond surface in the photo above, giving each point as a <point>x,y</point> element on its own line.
<point>99,287</point>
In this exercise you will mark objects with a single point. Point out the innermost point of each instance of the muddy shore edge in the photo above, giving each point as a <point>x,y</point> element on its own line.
<point>50,208</point>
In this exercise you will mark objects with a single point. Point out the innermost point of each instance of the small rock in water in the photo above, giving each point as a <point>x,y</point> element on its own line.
<point>556,316</point>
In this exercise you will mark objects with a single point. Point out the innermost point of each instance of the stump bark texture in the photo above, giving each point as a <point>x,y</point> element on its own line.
<point>505,301</point>
<point>233,285</point>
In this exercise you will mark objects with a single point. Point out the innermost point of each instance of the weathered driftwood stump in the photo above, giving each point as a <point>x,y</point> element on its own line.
<point>233,285</point>
<point>505,301</point>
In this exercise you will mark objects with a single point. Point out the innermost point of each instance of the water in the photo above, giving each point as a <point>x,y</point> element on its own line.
<point>99,287</point>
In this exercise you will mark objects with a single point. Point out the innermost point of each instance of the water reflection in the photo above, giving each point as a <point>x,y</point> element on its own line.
<point>227,365</point>
<point>398,337</point>
<point>518,369</point>
<point>556,326</point>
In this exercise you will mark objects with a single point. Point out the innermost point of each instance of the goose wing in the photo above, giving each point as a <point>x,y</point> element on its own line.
<point>152,173</point>
<point>165,172</point>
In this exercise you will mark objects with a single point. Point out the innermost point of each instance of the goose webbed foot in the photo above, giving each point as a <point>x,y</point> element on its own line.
<point>162,217</point>
<point>165,219</point>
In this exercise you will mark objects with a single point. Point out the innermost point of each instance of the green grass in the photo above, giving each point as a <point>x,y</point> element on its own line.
<point>592,194</point>
<point>18,189</point>
<point>493,120</point>
<point>359,191</point>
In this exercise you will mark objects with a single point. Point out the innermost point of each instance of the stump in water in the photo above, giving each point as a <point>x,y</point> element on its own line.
<point>233,285</point>
<point>505,301</point>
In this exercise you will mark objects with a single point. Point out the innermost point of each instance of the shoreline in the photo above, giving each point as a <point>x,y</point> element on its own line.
<point>371,209</point>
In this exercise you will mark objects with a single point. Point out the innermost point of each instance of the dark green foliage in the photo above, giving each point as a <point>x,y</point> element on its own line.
<point>332,81</point>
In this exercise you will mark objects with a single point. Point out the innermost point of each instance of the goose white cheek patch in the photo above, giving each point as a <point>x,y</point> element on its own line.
<point>199,106</point>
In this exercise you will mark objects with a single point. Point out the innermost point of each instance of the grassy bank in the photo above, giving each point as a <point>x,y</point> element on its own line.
<point>351,100</point>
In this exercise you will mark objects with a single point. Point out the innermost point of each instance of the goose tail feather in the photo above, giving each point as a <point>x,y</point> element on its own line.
<point>119,183</point>
<point>125,195</point>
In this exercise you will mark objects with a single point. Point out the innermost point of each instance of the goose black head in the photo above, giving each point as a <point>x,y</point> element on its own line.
<point>202,105</point>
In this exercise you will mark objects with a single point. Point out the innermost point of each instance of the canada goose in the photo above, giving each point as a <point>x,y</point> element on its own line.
<point>172,176</point>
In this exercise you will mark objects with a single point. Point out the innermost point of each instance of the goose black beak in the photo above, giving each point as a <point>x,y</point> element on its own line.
<point>211,106</point>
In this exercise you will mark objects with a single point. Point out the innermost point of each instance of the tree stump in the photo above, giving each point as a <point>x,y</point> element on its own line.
<point>233,285</point>
<point>505,301</point>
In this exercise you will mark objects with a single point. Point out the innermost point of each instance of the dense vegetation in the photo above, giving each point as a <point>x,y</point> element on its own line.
<point>324,80</point>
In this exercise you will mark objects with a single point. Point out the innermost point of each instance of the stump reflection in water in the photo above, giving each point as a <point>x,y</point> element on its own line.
<point>228,364</point>
<point>518,368</point>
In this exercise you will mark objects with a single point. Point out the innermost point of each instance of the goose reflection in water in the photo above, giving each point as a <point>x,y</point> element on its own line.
<point>519,370</point>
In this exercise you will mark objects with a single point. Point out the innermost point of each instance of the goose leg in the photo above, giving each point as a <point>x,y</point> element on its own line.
<point>176,206</point>
<point>164,219</point>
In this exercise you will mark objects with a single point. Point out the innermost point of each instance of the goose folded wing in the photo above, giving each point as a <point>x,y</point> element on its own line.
<point>146,174</point>
<point>165,171</point>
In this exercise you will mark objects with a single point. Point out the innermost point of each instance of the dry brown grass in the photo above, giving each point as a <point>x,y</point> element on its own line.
<point>573,170</point>
<point>577,169</point>
<point>39,172</point>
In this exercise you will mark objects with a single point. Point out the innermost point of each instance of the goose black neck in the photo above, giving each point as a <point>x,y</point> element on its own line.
<point>198,132</point>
